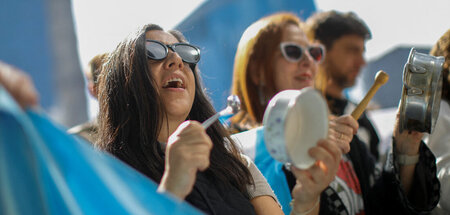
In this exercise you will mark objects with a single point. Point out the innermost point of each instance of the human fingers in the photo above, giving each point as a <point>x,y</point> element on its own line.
<point>331,117</point>
<point>341,135</point>
<point>195,132</point>
<point>191,146</point>
<point>349,121</point>
<point>191,132</point>
<point>325,163</point>
<point>327,157</point>
<point>19,85</point>
<point>304,180</point>
<point>26,94</point>
<point>342,141</point>
<point>329,168</point>
<point>331,148</point>
<point>407,142</point>
<point>305,190</point>
<point>202,161</point>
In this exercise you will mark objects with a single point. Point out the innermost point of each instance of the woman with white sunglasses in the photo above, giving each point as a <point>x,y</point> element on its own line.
<point>273,55</point>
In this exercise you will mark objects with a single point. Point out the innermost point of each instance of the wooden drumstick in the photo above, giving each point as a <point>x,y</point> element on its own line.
<point>380,78</point>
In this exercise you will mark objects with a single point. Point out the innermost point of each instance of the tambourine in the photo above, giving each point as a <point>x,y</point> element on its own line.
<point>294,121</point>
<point>421,93</point>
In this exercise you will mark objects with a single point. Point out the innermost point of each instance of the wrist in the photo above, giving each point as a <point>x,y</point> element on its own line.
<point>410,148</point>
<point>404,159</point>
<point>298,209</point>
<point>168,186</point>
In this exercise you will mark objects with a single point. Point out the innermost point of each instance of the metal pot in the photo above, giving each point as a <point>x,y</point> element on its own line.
<point>421,93</point>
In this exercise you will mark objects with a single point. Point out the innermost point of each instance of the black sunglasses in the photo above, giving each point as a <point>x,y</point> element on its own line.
<point>293,52</point>
<point>158,51</point>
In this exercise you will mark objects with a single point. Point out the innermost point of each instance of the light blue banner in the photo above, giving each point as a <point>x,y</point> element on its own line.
<point>43,170</point>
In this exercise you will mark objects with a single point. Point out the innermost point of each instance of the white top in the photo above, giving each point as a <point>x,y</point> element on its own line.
<point>439,143</point>
<point>261,187</point>
<point>439,140</point>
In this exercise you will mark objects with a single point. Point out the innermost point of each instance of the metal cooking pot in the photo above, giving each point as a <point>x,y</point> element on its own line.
<point>421,93</point>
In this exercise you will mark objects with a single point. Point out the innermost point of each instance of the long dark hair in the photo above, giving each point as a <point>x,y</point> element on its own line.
<point>131,116</point>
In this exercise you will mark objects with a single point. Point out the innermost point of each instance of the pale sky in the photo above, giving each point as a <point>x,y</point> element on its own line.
<point>101,24</point>
<point>397,22</point>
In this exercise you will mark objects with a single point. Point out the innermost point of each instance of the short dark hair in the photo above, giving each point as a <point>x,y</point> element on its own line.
<point>326,27</point>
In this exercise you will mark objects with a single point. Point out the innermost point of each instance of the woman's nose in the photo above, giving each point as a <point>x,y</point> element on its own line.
<point>173,60</point>
<point>306,60</point>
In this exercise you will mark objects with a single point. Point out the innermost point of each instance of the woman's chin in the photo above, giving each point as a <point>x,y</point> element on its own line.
<point>178,109</point>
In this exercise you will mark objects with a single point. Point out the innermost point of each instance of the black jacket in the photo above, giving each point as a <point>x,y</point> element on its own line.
<point>383,194</point>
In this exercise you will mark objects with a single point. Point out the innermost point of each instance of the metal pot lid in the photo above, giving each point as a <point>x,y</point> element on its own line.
<point>293,122</point>
<point>421,92</point>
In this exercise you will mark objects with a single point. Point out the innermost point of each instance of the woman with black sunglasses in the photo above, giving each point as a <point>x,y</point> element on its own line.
<point>151,103</point>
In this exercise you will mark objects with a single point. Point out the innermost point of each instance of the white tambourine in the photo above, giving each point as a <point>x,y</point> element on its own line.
<point>293,122</point>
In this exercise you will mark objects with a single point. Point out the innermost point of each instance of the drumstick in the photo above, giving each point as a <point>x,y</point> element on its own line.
<point>380,78</point>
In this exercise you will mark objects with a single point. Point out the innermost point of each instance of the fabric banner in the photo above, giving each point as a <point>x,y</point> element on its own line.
<point>43,170</point>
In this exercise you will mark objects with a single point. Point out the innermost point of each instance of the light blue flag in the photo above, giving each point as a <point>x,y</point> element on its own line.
<point>43,170</point>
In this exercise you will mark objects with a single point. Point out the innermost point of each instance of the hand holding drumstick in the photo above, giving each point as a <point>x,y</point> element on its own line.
<point>342,129</point>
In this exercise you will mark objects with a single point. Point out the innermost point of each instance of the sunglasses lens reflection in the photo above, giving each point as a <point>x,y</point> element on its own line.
<point>158,51</point>
<point>155,51</point>
<point>316,53</point>
<point>293,52</point>
<point>188,53</point>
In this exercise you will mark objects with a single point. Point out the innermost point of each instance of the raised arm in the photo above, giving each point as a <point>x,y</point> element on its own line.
<point>187,152</point>
<point>406,151</point>
<point>312,181</point>
<point>19,85</point>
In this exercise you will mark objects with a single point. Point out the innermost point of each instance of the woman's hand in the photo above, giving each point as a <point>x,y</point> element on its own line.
<point>407,142</point>
<point>341,130</point>
<point>187,152</point>
<point>19,85</point>
<point>312,181</point>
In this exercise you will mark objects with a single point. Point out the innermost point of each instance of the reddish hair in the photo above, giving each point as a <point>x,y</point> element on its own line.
<point>254,57</point>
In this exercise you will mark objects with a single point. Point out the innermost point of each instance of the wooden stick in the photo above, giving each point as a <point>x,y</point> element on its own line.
<point>380,79</point>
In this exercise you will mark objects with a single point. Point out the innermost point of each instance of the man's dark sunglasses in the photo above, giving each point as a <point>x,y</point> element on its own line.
<point>293,52</point>
<point>158,51</point>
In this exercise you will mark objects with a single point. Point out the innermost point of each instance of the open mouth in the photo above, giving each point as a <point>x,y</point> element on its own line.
<point>174,83</point>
